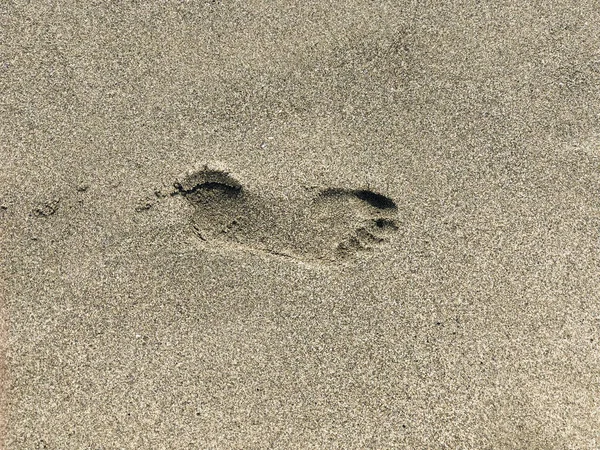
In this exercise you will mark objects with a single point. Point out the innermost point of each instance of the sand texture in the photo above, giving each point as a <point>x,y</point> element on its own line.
<point>299,225</point>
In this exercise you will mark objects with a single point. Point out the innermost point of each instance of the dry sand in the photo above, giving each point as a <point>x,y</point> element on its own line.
<point>279,224</point>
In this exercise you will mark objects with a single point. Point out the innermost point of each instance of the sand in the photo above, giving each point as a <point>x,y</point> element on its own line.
<point>281,224</point>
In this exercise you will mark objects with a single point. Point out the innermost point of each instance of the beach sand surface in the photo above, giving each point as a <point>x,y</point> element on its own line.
<point>279,224</point>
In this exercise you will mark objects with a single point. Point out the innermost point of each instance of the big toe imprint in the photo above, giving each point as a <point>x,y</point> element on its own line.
<point>334,225</point>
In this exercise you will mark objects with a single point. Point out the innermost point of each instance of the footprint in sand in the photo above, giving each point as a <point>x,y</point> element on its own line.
<point>333,224</point>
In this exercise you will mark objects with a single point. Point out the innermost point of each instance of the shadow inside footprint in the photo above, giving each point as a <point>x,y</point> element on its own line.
<point>207,192</point>
<point>374,199</point>
<point>207,180</point>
